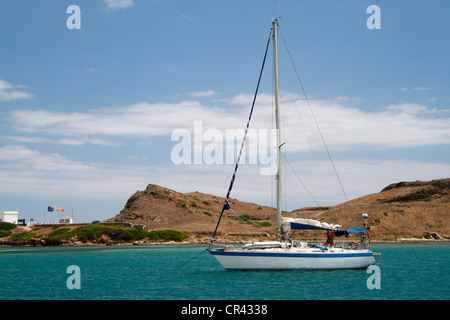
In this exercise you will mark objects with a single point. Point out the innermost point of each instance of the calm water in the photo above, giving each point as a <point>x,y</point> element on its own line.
<point>407,271</point>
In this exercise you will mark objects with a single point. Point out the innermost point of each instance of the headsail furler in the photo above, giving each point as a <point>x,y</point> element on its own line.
<point>226,205</point>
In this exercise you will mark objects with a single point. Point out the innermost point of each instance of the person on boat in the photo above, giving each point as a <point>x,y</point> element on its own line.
<point>363,239</point>
<point>330,238</point>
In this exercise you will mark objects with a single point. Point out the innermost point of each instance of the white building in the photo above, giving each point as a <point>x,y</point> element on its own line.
<point>66,220</point>
<point>9,216</point>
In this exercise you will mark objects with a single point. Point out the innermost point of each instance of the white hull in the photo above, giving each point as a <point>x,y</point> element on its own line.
<point>293,259</point>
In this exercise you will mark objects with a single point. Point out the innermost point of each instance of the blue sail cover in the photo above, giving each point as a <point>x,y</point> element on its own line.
<point>308,224</point>
<point>305,226</point>
<point>301,226</point>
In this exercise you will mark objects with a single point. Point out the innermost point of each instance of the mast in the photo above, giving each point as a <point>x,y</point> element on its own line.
<point>277,119</point>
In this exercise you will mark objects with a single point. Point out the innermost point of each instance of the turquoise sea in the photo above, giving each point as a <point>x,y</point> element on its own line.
<point>406,272</point>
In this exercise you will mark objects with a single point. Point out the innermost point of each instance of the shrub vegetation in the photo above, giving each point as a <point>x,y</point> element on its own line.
<point>24,236</point>
<point>5,233</point>
<point>92,232</point>
<point>167,235</point>
<point>7,226</point>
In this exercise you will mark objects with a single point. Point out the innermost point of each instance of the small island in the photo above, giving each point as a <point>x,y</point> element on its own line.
<point>403,211</point>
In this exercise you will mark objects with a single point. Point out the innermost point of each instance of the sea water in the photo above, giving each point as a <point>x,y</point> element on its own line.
<point>406,272</point>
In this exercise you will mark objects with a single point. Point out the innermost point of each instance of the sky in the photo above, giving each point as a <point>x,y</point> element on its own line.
<point>97,102</point>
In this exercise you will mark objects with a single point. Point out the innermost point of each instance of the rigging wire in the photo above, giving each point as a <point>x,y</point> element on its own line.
<point>314,117</point>
<point>226,206</point>
<point>312,151</point>
<point>247,220</point>
<point>295,173</point>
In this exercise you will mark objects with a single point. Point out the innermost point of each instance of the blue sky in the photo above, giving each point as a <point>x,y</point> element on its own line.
<point>86,116</point>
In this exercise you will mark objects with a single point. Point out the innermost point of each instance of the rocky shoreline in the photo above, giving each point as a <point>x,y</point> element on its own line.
<point>103,241</point>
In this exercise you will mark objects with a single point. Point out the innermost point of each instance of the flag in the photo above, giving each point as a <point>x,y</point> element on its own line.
<point>50,209</point>
<point>59,209</point>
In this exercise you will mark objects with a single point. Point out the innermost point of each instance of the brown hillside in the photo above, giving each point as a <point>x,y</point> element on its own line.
<point>161,208</point>
<point>405,209</point>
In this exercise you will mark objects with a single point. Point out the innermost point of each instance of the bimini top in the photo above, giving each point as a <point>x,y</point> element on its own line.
<point>343,232</point>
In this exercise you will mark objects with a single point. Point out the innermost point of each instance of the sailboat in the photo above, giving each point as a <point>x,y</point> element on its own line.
<point>285,253</point>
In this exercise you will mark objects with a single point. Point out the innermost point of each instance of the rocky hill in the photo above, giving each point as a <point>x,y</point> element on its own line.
<point>401,210</point>
<point>161,208</point>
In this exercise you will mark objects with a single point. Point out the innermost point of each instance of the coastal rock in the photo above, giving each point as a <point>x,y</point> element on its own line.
<point>104,238</point>
<point>443,184</point>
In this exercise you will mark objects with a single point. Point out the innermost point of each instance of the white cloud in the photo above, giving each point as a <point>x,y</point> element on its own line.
<point>412,108</point>
<point>119,3</point>
<point>343,127</point>
<point>19,157</point>
<point>33,173</point>
<point>5,85</point>
<point>7,92</point>
<point>63,141</point>
<point>200,94</point>
<point>415,89</point>
<point>262,98</point>
<point>138,120</point>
